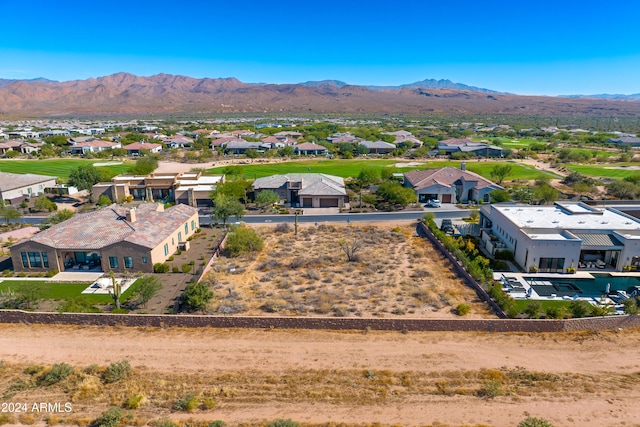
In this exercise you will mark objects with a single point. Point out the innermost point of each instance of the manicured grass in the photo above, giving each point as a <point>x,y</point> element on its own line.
<point>351,168</point>
<point>55,167</point>
<point>63,291</point>
<point>521,304</point>
<point>609,170</point>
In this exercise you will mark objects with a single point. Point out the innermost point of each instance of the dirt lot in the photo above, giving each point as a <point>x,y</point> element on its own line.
<point>253,376</point>
<point>396,273</point>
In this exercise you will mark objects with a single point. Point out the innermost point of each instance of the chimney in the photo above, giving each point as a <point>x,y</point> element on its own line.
<point>131,215</point>
<point>463,166</point>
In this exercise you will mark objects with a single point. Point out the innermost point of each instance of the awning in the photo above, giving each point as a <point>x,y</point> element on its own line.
<point>598,239</point>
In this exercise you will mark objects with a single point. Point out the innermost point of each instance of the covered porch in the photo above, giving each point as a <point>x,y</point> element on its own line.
<point>82,261</point>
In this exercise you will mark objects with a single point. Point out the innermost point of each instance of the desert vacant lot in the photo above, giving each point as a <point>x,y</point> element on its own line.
<point>396,274</point>
<point>323,378</point>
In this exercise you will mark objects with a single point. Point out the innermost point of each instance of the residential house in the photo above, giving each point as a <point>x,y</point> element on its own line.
<point>449,185</point>
<point>625,140</point>
<point>479,149</point>
<point>191,188</point>
<point>310,149</point>
<point>113,238</point>
<point>177,141</point>
<point>403,136</point>
<point>306,190</point>
<point>137,148</point>
<point>93,146</point>
<point>242,146</point>
<point>288,134</point>
<point>378,147</point>
<point>565,235</point>
<point>15,187</point>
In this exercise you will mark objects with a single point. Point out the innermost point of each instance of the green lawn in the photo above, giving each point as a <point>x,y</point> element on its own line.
<point>521,304</point>
<point>63,291</point>
<point>609,170</point>
<point>351,168</point>
<point>54,167</point>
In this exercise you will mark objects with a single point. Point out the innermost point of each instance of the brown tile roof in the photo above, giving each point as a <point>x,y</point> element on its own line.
<point>447,176</point>
<point>108,226</point>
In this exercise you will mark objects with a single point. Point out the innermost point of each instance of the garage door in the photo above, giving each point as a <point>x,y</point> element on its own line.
<point>446,198</point>
<point>329,203</point>
<point>307,202</point>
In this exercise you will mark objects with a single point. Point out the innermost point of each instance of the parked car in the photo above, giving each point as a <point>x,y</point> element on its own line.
<point>433,203</point>
<point>447,226</point>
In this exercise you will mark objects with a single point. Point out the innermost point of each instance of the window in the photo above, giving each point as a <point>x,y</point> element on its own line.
<point>193,225</point>
<point>128,262</point>
<point>186,228</point>
<point>45,260</point>
<point>34,259</point>
<point>144,259</point>
<point>166,249</point>
<point>179,236</point>
<point>25,261</point>
<point>113,262</point>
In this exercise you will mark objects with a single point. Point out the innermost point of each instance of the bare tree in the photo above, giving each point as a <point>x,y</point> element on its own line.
<point>350,247</point>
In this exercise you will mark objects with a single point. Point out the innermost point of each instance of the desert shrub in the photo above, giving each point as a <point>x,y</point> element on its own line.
<point>57,373</point>
<point>283,227</point>
<point>462,309</point>
<point>197,295</point>
<point>164,422</point>
<point>217,423</point>
<point>52,273</point>
<point>109,418</point>
<point>116,371</point>
<point>282,423</point>
<point>161,267</point>
<point>490,389</point>
<point>6,419</point>
<point>534,422</point>
<point>188,403</point>
<point>175,269</point>
<point>580,308</point>
<point>134,401</point>
<point>33,369</point>
<point>186,268</point>
<point>243,240</point>
<point>297,263</point>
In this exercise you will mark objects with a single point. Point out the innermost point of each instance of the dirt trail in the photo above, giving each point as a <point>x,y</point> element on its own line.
<point>277,351</point>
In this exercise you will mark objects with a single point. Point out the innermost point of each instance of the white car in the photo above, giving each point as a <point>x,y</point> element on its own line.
<point>434,203</point>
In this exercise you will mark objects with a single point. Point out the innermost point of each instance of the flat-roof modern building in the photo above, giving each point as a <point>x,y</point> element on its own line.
<point>113,238</point>
<point>565,235</point>
<point>190,188</point>
<point>16,187</point>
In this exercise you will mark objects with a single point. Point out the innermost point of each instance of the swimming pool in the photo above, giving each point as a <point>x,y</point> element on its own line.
<point>583,287</point>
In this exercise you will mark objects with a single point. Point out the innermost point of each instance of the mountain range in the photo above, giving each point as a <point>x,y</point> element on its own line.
<point>125,94</point>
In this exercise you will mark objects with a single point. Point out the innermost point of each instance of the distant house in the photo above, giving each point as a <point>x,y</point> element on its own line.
<point>403,136</point>
<point>93,146</point>
<point>625,140</point>
<point>177,141</point>
<point>136,148</point>
<point>275,142</point>
<point>241,146</point>
<point>223,141</point>
<point>378,147</point>
<point>479,149</point>
<point>449,185</point>
<point>112,238</point>
<point>15,187</point>
<point>288,134</point>
<point>307,190</point>
<point>309,149</point>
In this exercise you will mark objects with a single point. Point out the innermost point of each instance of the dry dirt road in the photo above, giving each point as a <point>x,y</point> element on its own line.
<point>597,358</point>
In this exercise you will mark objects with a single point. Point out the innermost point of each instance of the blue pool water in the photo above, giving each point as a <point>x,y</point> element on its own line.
<point>585,287</point>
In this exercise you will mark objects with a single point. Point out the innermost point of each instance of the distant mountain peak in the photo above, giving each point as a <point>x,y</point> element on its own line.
<point>336,83</point>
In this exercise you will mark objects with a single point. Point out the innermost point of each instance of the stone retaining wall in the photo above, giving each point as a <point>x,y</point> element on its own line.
<point>330,323</point>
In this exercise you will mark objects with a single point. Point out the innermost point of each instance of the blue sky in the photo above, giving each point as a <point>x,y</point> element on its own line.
<point>537,47</point>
